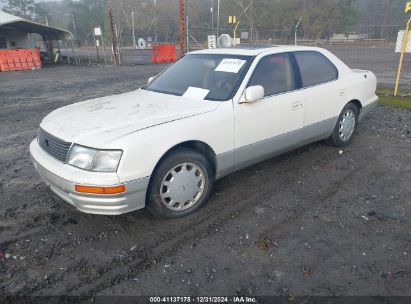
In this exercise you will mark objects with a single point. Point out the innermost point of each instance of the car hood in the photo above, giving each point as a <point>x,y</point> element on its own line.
<point>102,120</point>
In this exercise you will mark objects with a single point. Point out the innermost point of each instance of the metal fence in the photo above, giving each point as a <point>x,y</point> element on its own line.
<point>370,48</point>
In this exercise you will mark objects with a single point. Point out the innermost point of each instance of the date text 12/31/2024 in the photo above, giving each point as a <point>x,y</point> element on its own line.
<point>236,299</point>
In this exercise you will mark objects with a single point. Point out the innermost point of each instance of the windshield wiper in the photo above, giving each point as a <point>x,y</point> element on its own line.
<point>163,92</point>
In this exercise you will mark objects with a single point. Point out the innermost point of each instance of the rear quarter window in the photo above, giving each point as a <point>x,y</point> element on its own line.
<point>315,68</point>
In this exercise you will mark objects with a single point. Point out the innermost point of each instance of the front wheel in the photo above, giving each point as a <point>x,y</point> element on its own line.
<point>346,125</point>
<point>180,185</point>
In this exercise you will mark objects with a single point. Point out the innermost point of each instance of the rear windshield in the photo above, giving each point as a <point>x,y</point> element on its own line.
<point>203,76</point>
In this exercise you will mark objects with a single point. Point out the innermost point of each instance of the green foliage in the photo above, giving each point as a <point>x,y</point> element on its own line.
<point>348,19</point>
<point>321,18</point>
<point>398,102</point>
<point>87,15</point>
<point>21,8</point>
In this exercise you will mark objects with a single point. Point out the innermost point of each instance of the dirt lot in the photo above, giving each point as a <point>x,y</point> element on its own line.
<point>317,221</point>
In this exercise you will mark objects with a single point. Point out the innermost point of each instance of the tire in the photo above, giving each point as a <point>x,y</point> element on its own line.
<point>182,174</point>
<point>348,115</point>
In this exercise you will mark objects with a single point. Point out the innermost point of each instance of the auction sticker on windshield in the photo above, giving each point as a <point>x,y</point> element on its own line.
<point>230,65</point>
<point>196,93</point>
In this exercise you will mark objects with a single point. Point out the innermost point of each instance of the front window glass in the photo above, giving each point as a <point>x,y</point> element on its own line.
<point>204,76</point>
<point>275,74</point>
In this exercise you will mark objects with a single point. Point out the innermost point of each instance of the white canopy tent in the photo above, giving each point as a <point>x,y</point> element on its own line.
<point>8,21</point>
<point>19,33</point>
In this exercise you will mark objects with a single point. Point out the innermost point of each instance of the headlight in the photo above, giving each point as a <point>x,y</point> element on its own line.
<point>94,160</point>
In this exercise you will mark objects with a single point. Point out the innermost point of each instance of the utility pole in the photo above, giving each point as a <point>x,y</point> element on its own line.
<point>113,39</point>
<point>212,17</point>
<point>134,31</point>
<point>296,29</point>
<point>187,23</point>
<point>155,21</point>
<point>74,27</point>
<point>218,18</point>
<point>253,39</point>
<point>182,27</point>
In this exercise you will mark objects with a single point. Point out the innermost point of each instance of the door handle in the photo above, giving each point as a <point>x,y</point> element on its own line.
<point>297,106</point>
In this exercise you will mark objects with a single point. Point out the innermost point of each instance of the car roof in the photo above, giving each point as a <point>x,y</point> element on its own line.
<point>255,50</point>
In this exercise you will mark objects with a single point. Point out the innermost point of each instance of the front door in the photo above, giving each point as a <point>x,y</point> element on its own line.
<point>273,124</point>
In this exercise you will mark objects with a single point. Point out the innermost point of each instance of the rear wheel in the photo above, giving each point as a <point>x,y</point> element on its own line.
<point>180,185</point>
<point>346,125</point>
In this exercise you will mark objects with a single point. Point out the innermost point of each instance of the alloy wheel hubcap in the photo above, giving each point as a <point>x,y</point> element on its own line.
<point>182,186</point>
<point>347,125</point>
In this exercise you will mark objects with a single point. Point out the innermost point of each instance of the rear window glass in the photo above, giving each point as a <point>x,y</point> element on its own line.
<point>315,68</point>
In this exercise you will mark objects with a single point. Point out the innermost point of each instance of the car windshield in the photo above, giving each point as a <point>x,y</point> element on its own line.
<point>203,76</point>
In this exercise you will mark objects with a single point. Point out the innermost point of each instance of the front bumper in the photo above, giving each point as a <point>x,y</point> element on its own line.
<point>63,186</point>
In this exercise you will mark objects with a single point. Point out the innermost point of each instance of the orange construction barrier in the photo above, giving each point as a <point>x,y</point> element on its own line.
<point>15,55</point>
<point>4,66</point>
<point>20,60</point>
<point>7,62</point>
<point>164,53</point>
<point>35,55</point>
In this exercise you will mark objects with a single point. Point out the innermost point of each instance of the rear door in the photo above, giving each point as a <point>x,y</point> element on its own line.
<point>324,94</point>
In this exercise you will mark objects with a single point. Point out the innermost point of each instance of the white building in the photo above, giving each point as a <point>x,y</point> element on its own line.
<point>350,38</point>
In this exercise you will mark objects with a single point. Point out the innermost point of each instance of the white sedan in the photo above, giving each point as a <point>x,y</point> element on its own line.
<point>208,115</point>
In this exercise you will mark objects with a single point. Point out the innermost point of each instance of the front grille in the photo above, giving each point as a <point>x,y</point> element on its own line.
<point>53,146</point>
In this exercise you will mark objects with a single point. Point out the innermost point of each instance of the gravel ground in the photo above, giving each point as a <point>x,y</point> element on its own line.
<point>317,221</point>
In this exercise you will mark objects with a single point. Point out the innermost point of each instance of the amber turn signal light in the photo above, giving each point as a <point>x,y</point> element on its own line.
<point>100,190</point>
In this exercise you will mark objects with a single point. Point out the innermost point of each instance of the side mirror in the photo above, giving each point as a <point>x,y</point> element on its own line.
<point>253,94</point>
<point>151,79</point>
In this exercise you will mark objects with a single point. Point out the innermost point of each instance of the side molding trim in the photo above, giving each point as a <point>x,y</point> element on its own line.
<point>243,157</point>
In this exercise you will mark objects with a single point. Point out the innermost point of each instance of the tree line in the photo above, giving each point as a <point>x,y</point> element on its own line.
<point>320,18</point>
